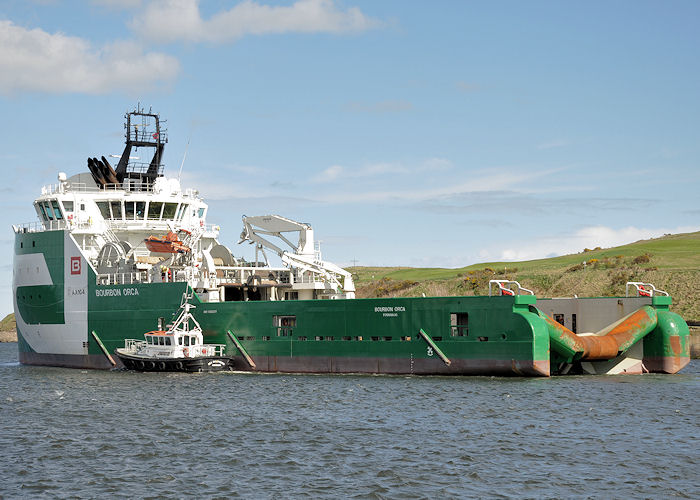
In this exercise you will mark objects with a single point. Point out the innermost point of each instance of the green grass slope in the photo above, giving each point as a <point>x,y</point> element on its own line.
<point>671,263</point>
<point>8,323</point>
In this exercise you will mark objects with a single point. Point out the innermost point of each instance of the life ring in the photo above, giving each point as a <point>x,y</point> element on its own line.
<point>186,351</point>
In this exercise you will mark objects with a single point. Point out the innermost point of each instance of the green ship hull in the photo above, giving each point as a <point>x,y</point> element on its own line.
<point>64,318</point>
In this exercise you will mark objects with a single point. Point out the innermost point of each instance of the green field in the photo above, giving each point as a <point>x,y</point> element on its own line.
<point>671,263</point>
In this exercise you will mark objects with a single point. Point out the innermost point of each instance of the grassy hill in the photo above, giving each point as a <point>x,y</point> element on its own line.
<point>8,324</point>
<point>671,263</point>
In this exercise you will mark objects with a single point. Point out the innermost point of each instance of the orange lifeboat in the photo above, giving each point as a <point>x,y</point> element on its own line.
<point>167,244</point>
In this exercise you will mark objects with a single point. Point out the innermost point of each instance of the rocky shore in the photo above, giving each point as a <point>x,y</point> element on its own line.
<point>10,336</point>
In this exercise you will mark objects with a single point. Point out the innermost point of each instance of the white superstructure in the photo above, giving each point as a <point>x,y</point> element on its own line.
<point>113,214</point>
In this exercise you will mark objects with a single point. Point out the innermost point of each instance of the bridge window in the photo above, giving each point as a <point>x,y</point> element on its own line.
<point>104,208</point>
<point>182,211</point>
<point>48,210</point>
<point>459,324</point>
<point>129,210</point>
<point>68,206</point>
<point>134,210</point>
<point>43,212</point>
<point>154,210</point>
<point>116,209</point>
<point>56,210</point>
<point>169,211</point>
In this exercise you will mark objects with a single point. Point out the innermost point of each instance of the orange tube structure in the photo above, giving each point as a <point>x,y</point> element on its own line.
<point>617,340</point>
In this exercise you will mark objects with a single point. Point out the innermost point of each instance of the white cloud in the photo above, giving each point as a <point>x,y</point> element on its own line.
<point>340,173</point>
<point>329,175</point>
<point>173,20</point>
<point>587,237</point>
<point>118,4</point>
<point>34,60</point>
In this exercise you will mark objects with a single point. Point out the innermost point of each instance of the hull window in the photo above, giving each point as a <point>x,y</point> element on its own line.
<point>285,325</point>
<point>459,324</point>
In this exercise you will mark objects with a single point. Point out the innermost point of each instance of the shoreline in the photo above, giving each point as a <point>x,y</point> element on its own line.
<point>8,336</point>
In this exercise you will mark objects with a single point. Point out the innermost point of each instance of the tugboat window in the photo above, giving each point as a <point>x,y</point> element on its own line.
<point>167,340</point>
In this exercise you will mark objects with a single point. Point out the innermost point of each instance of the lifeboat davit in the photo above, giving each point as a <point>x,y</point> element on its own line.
<point>167,244</point>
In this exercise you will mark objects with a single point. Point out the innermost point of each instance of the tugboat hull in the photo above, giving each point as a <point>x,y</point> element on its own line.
<point>190,365</point>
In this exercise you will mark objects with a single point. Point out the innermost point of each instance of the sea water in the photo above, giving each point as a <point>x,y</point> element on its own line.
<point>83,433</point>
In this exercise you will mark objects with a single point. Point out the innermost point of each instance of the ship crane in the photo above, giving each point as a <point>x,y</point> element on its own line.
<point>303,255</point>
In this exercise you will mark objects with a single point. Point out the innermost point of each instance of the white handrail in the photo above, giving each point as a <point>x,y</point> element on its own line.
<point>643,289</point>
<point>504,290</point>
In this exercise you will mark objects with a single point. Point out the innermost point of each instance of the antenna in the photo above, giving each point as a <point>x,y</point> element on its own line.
<point>183,159</point>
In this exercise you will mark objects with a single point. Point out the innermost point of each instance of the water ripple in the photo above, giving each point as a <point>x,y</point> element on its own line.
<point>77,433</point>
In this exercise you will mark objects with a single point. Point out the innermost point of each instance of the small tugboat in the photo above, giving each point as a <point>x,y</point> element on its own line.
<point>181,348</point>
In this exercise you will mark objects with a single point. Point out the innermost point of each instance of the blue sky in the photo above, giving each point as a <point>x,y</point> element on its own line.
<point>407,133</point>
